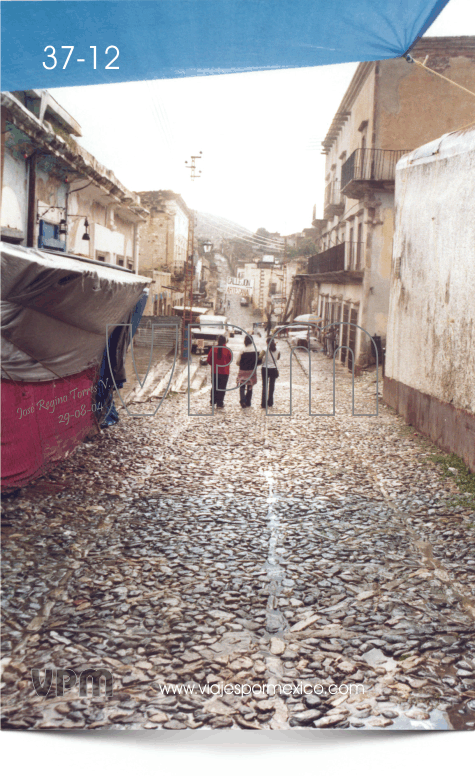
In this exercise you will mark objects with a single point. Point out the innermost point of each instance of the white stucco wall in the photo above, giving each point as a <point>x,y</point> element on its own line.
<point>106,240</point>
<point>377,282</point>
<point>431,326</point>
<point>15,193</point>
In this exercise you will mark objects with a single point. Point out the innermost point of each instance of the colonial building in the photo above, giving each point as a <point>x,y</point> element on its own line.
<point>164,294</point>
<point>164,236</point>
<point>389,108</point>
<point>55,195</point>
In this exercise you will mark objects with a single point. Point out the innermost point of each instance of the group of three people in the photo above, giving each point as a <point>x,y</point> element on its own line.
<point>220,358</point>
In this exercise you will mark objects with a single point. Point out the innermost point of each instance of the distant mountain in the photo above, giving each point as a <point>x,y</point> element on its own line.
<point>216,228</point>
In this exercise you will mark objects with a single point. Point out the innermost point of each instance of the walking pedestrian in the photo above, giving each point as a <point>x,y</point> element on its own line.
<point>270,373</point>
<point>247,377</point>
<point>220,359</point>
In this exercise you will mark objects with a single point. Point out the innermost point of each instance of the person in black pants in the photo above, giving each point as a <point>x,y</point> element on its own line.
<point>219,358</point>
<point>270,373</point>
<point>247,377</point>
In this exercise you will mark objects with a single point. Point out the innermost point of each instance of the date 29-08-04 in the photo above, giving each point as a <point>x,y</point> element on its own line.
<point>65,418</point>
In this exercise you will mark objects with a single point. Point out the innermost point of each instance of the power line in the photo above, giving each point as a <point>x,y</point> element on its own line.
<point>270,240</point>
<point>248,237</point>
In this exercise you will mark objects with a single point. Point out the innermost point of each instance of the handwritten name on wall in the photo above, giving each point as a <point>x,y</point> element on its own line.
<point>51,405</point>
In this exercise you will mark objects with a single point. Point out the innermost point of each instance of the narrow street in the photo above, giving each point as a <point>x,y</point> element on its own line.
<point>245,549</point>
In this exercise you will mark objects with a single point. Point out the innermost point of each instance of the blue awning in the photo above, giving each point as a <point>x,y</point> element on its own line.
<point>177,38</point>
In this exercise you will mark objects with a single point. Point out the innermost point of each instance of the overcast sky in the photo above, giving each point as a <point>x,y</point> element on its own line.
<point>259,133</point>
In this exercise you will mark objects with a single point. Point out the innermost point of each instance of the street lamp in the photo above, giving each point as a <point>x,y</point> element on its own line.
<point>86,235</point>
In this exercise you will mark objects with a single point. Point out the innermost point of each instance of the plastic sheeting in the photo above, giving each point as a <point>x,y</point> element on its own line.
<point>112,371</point>
<point>55,310</point>
<point>177,38</point>
<point>42,423</point>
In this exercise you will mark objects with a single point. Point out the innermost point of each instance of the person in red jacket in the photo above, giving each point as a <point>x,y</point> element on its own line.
<point>220,359</point>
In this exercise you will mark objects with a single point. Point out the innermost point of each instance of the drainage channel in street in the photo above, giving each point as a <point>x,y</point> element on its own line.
<point>275,619</point>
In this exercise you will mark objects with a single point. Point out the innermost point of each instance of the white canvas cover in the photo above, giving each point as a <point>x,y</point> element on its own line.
<point>55,310</point>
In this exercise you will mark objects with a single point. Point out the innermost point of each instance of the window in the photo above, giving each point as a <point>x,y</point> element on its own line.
<point>120,261</point>
<point>102,256</point>
<point>49,236</point>
<point>129,264</point>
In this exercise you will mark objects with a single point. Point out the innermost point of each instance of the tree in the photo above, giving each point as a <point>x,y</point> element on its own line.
<point>261,232</point>
<point>306,248</point>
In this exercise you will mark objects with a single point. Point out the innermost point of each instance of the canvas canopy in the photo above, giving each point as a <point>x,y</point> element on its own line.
<point>56,310</point>
<point>134,40</point>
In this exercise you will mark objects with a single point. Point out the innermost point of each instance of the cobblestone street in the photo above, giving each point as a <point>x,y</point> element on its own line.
<point>245,549</point>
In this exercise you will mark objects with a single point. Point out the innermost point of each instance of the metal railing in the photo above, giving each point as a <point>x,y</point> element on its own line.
<point>344,256</point>
<point>331,260</point>
<point>332,194</point>
<point>370,164</point>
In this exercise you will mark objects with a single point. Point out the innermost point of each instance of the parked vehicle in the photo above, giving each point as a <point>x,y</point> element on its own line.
<point>300,338</point>
<point>206,334</point>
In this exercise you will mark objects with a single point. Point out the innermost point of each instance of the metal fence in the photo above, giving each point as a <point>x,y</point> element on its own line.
<point>164,333</point>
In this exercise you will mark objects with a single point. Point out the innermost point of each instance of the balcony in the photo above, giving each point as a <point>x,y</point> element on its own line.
<point>343,263</point>
<point>367,170</point>
<point>333,204</point>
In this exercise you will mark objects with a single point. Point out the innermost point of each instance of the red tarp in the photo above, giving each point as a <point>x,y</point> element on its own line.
<point>43,422</point>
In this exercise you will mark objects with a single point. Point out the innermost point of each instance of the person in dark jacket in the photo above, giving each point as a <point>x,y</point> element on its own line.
<point>247,376</point>
<point>220,359</point>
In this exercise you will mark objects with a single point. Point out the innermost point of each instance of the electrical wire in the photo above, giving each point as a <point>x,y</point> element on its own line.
<point>233,225</point>
<point>227,228</point>
<point>435,73</point>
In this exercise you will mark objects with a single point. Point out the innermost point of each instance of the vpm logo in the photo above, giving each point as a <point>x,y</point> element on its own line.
<point>60,681</point>
<point>339,330</point>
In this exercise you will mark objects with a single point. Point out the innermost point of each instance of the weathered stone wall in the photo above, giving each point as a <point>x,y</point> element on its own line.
<point>156,235</point>
<point>415,106</point>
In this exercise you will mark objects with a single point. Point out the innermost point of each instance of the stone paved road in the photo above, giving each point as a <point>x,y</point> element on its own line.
<point>324,556</point>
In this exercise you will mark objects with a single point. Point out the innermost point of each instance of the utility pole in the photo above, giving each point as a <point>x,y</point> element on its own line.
<point>192,167</point>
<point>189,269</point>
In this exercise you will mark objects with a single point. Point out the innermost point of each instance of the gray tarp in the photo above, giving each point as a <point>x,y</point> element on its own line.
<point>55,310</point>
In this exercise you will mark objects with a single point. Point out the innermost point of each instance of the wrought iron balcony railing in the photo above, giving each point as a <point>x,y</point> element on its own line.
<point>370,165</point>
<point>331,260</point>
<point>333,203</point>
<point>342,257</point>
